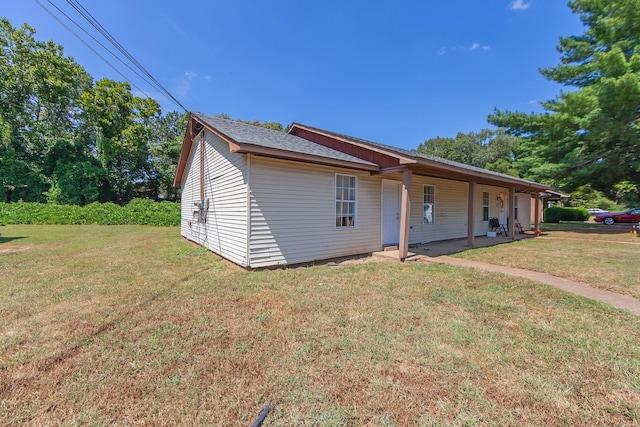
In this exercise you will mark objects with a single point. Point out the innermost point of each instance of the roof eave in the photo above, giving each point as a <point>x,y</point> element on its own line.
<point>187,142</point>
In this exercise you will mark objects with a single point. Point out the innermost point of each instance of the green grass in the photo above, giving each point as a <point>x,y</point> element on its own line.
<point>132,325</point>
<point>602,256</point>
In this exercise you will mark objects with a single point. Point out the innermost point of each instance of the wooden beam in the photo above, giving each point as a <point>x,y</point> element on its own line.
<point>471,223</point>
<point>405,215</point>
<point>511,215</point>
<point>394,169</point>
<point>202,166</point>
<point>536,228</point>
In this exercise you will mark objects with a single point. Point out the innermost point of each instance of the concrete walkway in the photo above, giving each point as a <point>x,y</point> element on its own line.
<point>624,302</point>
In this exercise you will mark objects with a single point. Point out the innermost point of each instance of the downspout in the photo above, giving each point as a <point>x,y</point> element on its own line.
<point>248,249</point>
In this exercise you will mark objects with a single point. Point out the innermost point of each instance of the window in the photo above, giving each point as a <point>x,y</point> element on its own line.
<point>485,206</point>
<point>346,200</point>
<point>428,204</point>
<point>515,207</point>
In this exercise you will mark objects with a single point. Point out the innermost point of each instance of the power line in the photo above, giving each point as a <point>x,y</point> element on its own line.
<point>94,22</point>
<point>88,46</point>
<point>101,45</point>
<point>151,81</point>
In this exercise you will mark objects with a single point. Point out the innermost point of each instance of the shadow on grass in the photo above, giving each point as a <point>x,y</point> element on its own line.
<point>4,239</point>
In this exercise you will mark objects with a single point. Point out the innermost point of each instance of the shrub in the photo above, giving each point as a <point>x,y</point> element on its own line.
<point>138,212</point>
<point>557,214</point>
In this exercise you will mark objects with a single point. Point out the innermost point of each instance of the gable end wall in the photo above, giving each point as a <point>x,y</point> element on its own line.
<point>225,184</point>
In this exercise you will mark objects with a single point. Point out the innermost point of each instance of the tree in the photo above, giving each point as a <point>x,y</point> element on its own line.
<point>591,134</point>
<point>121,126</point>
<point>486,149</point>
<point>164,151</point>
<point>39,89</point>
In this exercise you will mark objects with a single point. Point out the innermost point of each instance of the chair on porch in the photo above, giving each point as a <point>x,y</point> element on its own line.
<point>518,227</point>
<point>494,225</point>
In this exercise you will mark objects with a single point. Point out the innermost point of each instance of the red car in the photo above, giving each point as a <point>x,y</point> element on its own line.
<point>632,215</point>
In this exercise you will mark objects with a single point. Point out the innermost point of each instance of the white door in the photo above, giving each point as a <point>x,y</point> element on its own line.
<point>390,213</point>
<point>504,208</point>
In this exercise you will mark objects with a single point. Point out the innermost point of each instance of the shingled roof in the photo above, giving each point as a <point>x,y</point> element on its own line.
<point>412,156</point>
<point>250,139</point>
<point>245,134</point>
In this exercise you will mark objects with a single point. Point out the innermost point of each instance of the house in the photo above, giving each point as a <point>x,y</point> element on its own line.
<point>261,198</point>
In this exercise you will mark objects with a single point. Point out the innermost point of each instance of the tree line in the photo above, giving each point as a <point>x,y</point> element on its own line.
<point>67,139</point>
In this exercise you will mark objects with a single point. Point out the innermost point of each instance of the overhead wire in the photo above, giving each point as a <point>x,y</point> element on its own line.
<point>89,47</point>
<point>101,45</point>
<point>150,80</point>
<point>105,33</point>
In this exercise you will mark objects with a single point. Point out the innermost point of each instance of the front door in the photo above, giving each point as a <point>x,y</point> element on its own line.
<point>390,213</point>
<point>503,203</point>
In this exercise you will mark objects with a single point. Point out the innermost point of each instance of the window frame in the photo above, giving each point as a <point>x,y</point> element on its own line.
<point>341,218</point>
<point>486,197</point>
<point>432,203</point>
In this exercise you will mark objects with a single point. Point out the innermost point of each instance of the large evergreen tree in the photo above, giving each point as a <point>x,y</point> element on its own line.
<point>589,134</point>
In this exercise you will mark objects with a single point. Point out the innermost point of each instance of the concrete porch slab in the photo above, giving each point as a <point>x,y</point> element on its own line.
<point>448,247</point>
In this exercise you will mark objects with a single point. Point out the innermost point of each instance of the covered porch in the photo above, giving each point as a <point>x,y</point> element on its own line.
<point>473,177</point>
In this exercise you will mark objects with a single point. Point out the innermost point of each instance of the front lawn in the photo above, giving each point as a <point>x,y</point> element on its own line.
<point>606,257</point>
<point>131,325</point>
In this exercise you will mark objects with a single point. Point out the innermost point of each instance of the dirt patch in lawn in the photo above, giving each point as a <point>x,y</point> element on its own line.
<point>14,249</point>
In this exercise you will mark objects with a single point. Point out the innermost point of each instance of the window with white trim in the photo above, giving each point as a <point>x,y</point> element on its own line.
<point>346,201</point>
<point>515,206</point>
<point>428,204</point>
<point>485,206</point>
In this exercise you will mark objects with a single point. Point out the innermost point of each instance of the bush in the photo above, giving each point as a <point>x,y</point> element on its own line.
<point>138,212</point>
<point>557,214</point>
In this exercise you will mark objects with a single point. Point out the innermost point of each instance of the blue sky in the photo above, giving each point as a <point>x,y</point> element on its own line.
<point>397,72</point>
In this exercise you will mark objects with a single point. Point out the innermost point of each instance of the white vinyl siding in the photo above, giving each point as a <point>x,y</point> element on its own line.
<point>225,231</point>
<point>525,216</point>
<point>492,208</point>
<point>293,213</point>
<point>450,210</point>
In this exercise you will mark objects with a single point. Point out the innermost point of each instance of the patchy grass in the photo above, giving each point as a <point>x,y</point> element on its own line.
<point>604,257</point>
<point>132,325</point>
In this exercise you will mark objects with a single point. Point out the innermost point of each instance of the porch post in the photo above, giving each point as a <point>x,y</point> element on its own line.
<point>405,215</point>
<point>537,213</point>
<point>512,213</point>
<point>471,223</point>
